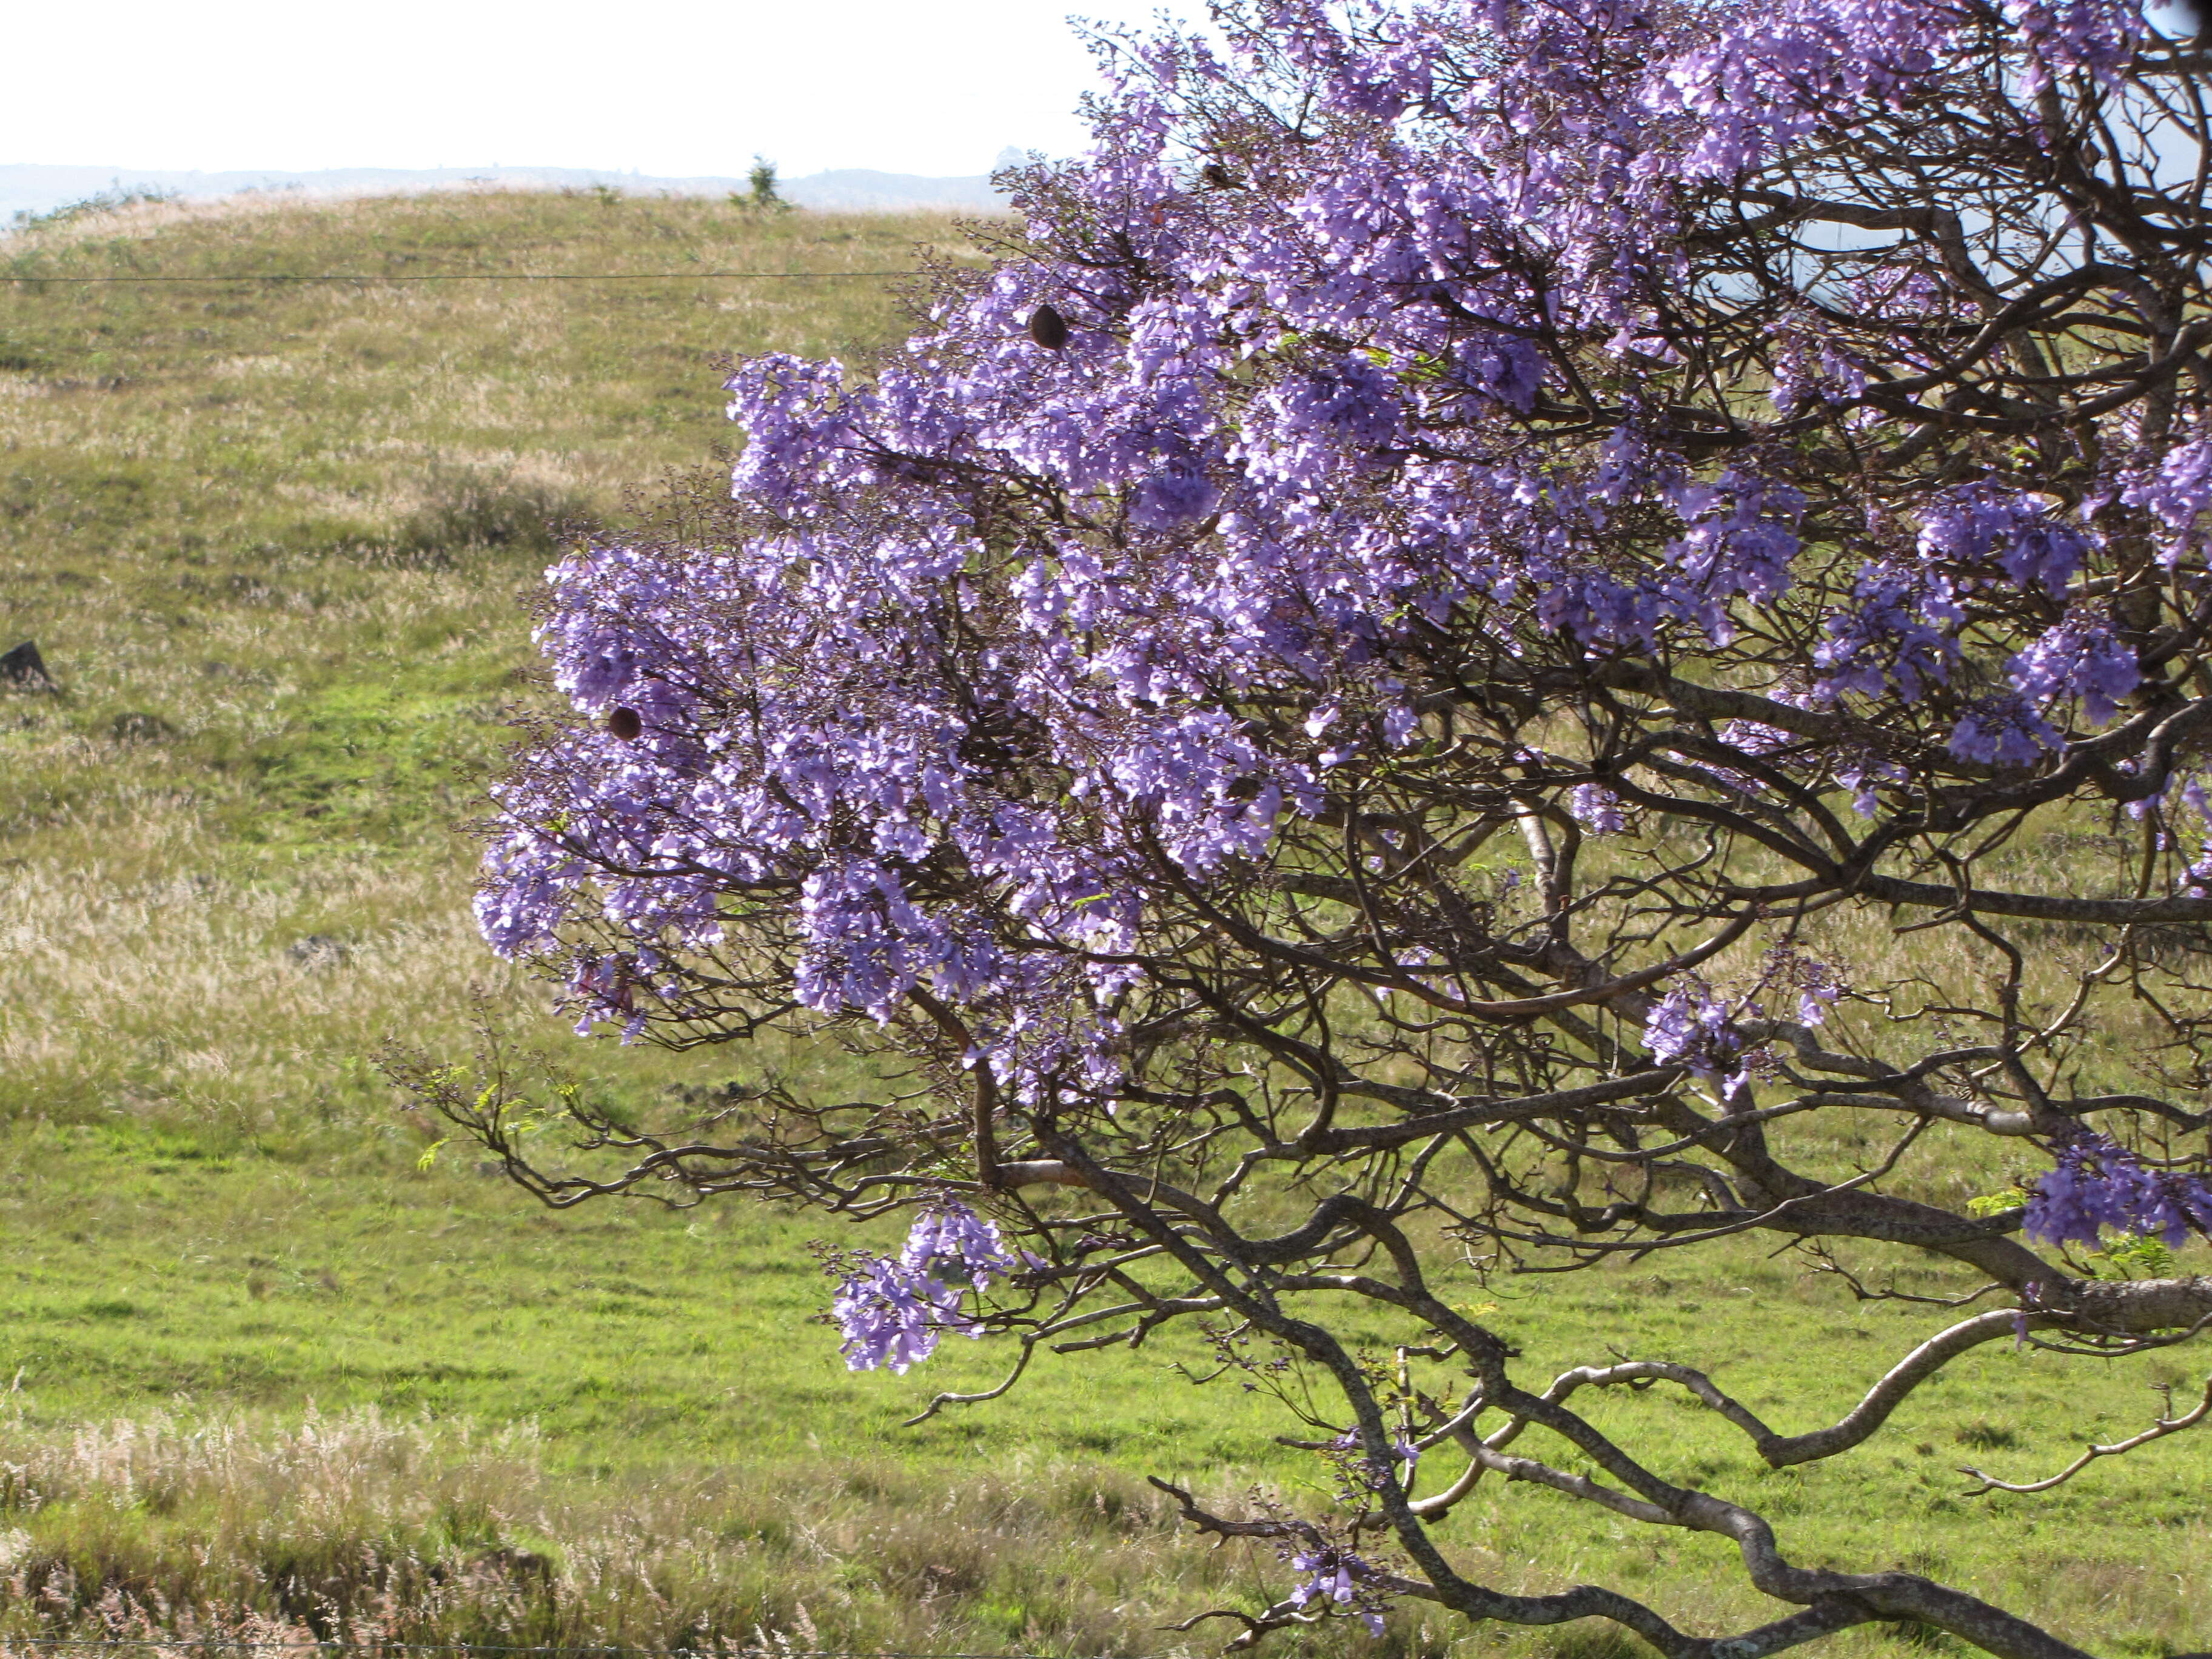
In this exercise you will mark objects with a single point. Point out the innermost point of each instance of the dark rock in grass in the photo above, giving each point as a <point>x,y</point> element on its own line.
<point>137,726</point>
<point>524,1569</point>
<point>523,1566</point>
<point>320,951</point>
<point>24,670</point>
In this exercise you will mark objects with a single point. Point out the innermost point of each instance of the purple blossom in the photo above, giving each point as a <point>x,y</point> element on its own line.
<point>892,1311</point>
<point>1331,1574</point>
<point>1503,369</point>
<point>1403,1450</point>
<point>1689,1026</point>
<point>1978,526</point>
<point>605,987</point>
<point>2175,491</point>
<point>1740,540</point>
<point>2098,35</point>
<point>2080,658</point>
<point>2002,730</point>
<point>892,1316</point>
<point>1597,809</point>
<point>1863,775</point>
<point>1818,985</point>
<point>1898,638</point>
<point>2097,1185</point>
<point>949,1240</point>
<point>1173,497</point>
<point>1810,369</point>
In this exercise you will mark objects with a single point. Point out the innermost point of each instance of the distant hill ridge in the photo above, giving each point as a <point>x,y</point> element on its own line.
<point>26,188</point>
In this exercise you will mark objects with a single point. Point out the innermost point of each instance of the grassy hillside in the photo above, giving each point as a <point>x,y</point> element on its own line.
<point>275,542</point>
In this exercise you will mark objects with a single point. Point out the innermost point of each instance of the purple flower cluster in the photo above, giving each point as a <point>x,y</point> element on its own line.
<point>1810,369</point>
<point>1818,985</point>
<point>2002,730</point>
<point>1006,625</point>
<point>892,1316</point>
<point>1771,74</point>
<point>2175,491</point>
<point>893,1310</point>
<point>1899,639</point>
<point>950,1241</point>
<point>1597,809</point>
<point>1333,1575</point>
<point>2080,658</point>
<point>1979,527</point>
<point>2097,1185</point>
<point>1405,1451</point>
<point>1690,1026</point>
<point>1693,1026</point>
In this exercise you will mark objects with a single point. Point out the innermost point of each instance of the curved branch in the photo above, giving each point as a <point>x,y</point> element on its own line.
<point>2163,1427</point>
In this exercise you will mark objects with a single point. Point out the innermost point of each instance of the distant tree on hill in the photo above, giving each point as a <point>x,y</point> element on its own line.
<point>761,182</point>
<point>1507,635</point>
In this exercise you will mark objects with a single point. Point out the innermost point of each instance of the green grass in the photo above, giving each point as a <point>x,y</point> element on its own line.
<point>148,1265</point>
<point>256,1345</point>
<point>153,1274</point>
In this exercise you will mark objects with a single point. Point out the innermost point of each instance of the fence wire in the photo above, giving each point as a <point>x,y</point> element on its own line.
<point>748,1650</point>
<point>485,277</point>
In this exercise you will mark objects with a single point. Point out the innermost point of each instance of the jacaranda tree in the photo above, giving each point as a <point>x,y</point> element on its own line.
<point>1507,634</point>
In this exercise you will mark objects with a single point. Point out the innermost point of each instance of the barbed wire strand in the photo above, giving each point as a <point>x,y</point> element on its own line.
<point>241,1644</point>
<point>488,277</point>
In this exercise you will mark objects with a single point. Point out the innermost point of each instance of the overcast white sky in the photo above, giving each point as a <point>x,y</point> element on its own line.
<point>667,87</point>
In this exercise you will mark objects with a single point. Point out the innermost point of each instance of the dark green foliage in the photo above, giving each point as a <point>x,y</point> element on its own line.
<point>761,182</point>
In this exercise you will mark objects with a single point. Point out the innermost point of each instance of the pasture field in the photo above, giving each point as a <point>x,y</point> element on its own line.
<point>271,1372</point>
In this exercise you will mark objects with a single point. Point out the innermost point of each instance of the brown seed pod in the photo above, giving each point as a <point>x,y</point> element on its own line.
<point>1048,328</point>
<point>624,723</point>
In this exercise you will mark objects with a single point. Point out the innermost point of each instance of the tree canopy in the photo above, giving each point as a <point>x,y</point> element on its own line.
<point>1502,630</point>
